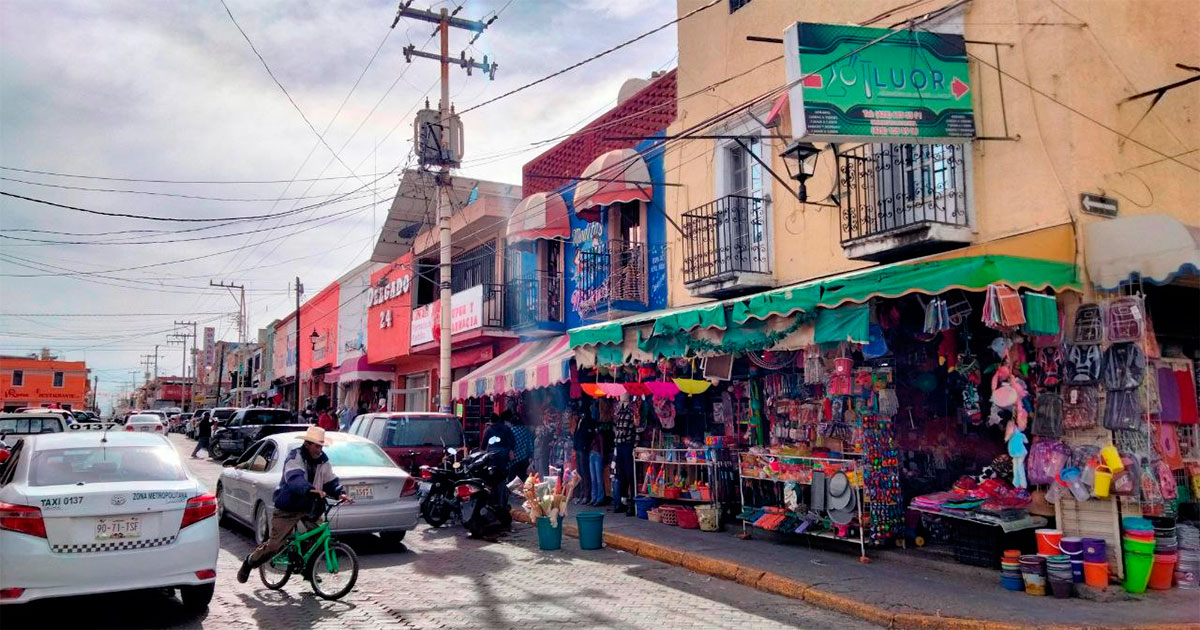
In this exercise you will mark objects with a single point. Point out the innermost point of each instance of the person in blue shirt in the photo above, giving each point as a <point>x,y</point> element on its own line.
<point>306,481</point>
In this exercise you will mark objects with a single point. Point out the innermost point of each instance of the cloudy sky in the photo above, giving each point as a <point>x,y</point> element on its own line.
<point>151,90</point>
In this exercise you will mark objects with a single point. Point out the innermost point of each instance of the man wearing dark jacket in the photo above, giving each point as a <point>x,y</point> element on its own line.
<point>307,479</point>
<point>203,434</point>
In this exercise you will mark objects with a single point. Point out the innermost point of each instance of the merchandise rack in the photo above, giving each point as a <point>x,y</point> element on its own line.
<point>675,460</point>
<point>851,464</point>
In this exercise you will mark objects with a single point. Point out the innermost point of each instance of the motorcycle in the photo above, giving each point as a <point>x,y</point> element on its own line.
<point>483,494</point>
<point>439,501</point>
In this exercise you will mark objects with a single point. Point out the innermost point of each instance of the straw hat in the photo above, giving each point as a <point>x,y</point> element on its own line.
<point>316,435</point>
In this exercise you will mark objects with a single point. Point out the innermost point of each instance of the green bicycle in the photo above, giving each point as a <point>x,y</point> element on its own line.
<point>330,566</point>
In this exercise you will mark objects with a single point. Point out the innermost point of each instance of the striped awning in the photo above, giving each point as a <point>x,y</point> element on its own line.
<point>539,216</point>
<point>527,365</point>
<point>618,176</point>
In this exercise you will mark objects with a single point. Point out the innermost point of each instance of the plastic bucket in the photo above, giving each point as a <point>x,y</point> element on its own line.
<point>1061,589</point>
<point>1102,481</point>
<point>1138,546</point>
<point>643,505</point>
<point>1163,571</point>
<point>549,538</point>
<point>1047,541</point>
<point>1095,574</point>
<point>1012,583</point>
<point>1077,571</point>
<point>1112,459</point>
<point>1034,584</point>
<point>591,530</point>
<point>1072,546</point>
<point>1095,550</point>
<point>1137,571</point>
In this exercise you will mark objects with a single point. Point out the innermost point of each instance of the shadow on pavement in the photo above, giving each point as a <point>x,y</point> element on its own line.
<point>136,609</point>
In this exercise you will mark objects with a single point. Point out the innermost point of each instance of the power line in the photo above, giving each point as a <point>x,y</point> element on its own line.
<point>592,58</point>
<point>157,193</point>
<point>108,314</point>
<point>182,181</point>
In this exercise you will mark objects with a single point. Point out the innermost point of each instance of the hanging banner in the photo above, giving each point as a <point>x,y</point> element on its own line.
<point>466,314</point>
<point>855,83</point>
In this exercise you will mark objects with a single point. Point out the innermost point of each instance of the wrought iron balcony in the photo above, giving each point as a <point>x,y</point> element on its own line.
<point>723,238</point>
<point>614,273</point>
<point>494,306</point>
<point>895,189</point>
<point>535,299</point>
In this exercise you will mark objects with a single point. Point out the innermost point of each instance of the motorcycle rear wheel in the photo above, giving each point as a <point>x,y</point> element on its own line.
<point>435,510</point>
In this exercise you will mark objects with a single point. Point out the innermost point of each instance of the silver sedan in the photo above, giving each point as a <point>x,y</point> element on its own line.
<point>385,496</point>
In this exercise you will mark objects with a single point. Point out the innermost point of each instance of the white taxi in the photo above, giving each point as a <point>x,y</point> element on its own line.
<point>86,512</point>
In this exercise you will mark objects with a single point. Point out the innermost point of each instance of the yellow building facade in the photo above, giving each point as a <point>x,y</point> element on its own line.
<point>1049,82</point>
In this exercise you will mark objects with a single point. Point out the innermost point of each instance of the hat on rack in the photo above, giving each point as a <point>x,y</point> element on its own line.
<point>840,499</point>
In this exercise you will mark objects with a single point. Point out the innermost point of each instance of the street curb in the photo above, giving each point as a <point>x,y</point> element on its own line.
<point>777,584</point>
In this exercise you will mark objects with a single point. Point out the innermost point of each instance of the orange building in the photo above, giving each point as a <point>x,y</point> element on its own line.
<point>28,382</point>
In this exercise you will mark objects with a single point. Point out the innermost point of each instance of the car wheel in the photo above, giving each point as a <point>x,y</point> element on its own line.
<point>222,513</point>
<point>215,451</point>
<point>392,539</point>
<point>262,524</point>
<point>196,598</point>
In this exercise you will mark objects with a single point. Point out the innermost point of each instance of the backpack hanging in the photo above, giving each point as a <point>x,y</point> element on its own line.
<point>1048,415</point>
<point>1079,407</point>
<point>1089,325</point>
<point>1082,363</point>
<point>1046,460</point>
<point>1050,364</point>
<point>1125,319</point>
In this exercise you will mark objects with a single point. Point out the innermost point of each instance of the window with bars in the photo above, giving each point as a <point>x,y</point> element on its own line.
<point>474,267</point>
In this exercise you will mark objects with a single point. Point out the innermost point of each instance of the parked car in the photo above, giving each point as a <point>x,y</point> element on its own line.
<point>67,416</point>
<point>221,415</point>
<point>179,422</point>
<point>385,496</point>
<point>248,426</point>
<point>411,438</point>
<point>97,512</point>
<point>146,422</point>
<point>22,424</point>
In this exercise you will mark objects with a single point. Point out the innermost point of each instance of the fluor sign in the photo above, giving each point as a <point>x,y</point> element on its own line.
<point>858,83</point>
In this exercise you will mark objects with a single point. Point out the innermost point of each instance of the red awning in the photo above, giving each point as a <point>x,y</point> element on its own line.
<point>618,176</point>
<point>539,216</point>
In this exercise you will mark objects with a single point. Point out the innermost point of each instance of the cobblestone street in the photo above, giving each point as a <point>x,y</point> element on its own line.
<point>444,580</point>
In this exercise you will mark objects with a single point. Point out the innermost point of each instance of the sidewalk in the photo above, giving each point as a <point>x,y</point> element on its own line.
<point>897,589</point>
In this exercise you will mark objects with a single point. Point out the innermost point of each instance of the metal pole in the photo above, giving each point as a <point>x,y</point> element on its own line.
<point>444,223</point>
<point>299,290</point>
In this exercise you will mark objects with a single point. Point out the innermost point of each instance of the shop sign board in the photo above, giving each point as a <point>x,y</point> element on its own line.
<point>854,83</point>
<point>466,313</point>
<point>210,346</point>
<point>1098,205</point>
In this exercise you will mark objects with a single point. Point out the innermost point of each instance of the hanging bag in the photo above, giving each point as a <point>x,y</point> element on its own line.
<point>1089,325</point>
<point>1079,407</point>
<point>1048,415</point>
<point>1082,363</point>
<point>1125,319</point>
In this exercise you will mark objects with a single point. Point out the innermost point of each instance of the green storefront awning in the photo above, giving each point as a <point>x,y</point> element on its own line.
<point>972,273</point>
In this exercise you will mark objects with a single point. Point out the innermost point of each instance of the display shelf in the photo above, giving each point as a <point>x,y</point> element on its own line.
<point>661,498</point>
<point>691,472</point>
<point>667,463</point>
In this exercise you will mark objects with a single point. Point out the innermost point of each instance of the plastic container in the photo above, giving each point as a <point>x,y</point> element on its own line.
<point>1162,574</point>
<point>549,538</point>
<point>1137,571</point>
<point>1102,481</point>
<point>1138,546</point>
<point>1012,583</point>
<point>667,514</point>
<point>591,530</point>
<point>1077,571</point>
<point>1034,584</point>
<point>1095,574</point>
<point>710,518</point>
<point>1095,550</point>
<point>1048,541</point>
<point>1112,459</point>
<point>1061,589</point>
<point>643,506</point>
<point>686,518</point>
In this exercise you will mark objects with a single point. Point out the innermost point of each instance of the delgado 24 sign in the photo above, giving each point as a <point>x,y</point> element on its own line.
<point>858,83</point>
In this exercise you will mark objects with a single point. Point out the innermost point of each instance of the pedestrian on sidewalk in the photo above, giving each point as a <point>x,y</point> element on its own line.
<point>522,448</point>
<point>597,459</point>
<point>203,435</point>
<point>581,442</point>
<point>624,437</point>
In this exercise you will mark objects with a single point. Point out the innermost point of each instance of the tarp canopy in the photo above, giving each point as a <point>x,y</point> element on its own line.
<point>527,365</point>
<point>1155,246</point>
<point>973,273</point>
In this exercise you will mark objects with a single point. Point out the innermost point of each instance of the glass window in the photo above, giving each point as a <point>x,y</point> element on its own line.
<point>474,267</point>
<point>422,432</point>
<point>416,396</point>
<point>269,451</point>
<point>58,379</point>
<point>99,465</point>
<point>375,433</point>
<point>346,453</point>
<point>266,416</point>
<point>18,378</point>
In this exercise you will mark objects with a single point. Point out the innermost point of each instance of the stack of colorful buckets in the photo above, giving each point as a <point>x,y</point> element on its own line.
<point>1060,563</point>
<point>1010,570</point>
<point>1138,546</point>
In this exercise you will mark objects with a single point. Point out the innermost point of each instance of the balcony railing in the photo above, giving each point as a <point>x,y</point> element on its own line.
<point>725,237</point>
<point>614,273</point>
<point>888,187</point>
<point>493,306</point>
<point>535,299</point>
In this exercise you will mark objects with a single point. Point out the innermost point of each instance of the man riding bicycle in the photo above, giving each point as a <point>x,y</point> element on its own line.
<point>307,479</point>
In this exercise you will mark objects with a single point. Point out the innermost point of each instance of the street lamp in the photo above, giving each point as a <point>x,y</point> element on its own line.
<point>313,338</point>
<point>800,159</point>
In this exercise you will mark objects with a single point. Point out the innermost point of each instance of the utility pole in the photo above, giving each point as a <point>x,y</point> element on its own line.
<point>220,373</point>
<point>446,157</point>
<point>181,338</point>
<point>299,292</point>
<point>241,321</point>
<point>191,389</point>
<point>95,393</point>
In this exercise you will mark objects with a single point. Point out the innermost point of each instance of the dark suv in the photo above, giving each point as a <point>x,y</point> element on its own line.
<point>248,426</point>
<point>412,439</point>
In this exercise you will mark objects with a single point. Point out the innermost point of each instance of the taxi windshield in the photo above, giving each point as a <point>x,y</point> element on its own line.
<point>97,464</point>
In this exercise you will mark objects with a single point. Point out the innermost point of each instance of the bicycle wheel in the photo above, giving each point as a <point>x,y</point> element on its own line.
<point>330,582</point>
<point>276,571</point>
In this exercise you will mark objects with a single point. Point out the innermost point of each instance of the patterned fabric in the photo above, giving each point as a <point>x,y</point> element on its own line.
<point>624,429</point>
<point>524,442</point>
<point>115,545</point>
